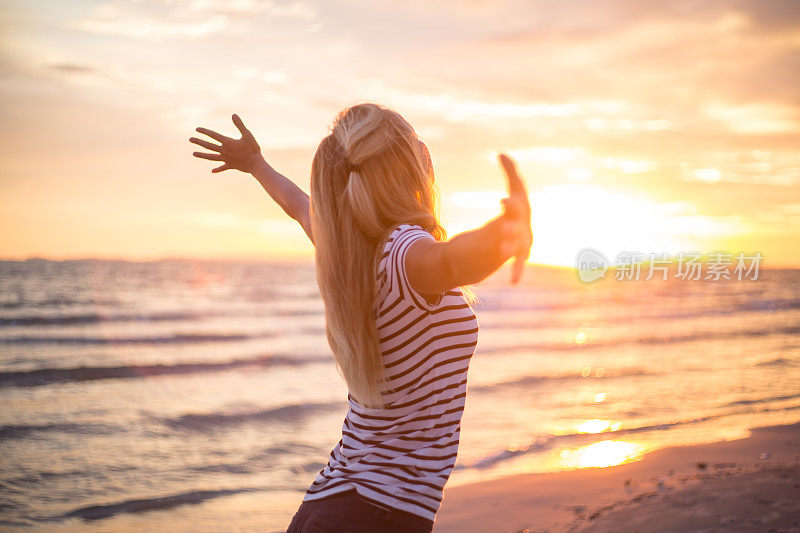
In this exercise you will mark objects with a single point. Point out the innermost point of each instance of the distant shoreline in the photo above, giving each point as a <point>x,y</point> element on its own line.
<point>299,259</point>
<point>286,259</point>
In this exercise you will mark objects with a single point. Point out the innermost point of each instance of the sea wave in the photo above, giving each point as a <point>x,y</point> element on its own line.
<point>209,422</point>
<point>47,376</point>
<point>751,401</point>
<point>266,458</point>
<point>547,442</point>
<point>88,318</point>
<point>537,316</point>
<point>534,379</point>
<point>180,338</point>
<point>18,431</point>
<point>191,422</point>
<point>36,479</point>
<point>647,340</point>
<point>644,311</point>
<point>176,338</point>
<point>58,301</point>
<point>94,318</point>
<point>97,512</point>
<point>779,361</point>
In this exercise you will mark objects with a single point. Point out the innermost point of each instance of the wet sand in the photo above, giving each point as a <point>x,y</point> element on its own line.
<point>750,484</point>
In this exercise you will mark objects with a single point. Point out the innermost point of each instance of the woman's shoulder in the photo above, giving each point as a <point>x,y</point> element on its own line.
<point>392,276</point>
<point>400,238</point>
<point>405,229</point>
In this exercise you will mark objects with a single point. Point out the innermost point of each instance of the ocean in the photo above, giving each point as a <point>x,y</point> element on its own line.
<point>201,395</point>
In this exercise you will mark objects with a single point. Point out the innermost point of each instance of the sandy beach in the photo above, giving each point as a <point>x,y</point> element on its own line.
<point>749,484</point>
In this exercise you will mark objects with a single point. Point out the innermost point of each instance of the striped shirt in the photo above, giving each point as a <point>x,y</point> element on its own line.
<point>401,456</point>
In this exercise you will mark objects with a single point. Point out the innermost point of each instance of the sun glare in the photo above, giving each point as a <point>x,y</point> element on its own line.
<point>601,454</point>
<point>597,426</point>
<point>567,218</point>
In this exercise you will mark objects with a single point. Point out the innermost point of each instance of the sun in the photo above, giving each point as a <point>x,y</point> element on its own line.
<point>567,218</point>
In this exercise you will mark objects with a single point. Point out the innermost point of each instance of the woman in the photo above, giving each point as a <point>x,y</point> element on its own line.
<point>397,321</point>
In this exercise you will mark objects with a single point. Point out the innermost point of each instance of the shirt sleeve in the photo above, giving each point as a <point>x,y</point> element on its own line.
<point>392,272</point>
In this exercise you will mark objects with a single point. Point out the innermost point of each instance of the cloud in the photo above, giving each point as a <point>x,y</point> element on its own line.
<point>286,9</point>
<point>784,217</point>
<point>146,28</point>
<point>664,58</point>
<point>776,168</point>
<point>583,19</point>
<point>771,15</point>
<point>755,118</point>
<point>159,20</point>
<point>74,68</point>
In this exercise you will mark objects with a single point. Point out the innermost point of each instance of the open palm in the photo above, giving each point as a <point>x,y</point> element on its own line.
<point>517,234</point>
<point>235,154</point>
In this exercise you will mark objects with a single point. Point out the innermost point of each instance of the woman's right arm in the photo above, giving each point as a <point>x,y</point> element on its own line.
<point>244,154</point>
<point>434,267</point>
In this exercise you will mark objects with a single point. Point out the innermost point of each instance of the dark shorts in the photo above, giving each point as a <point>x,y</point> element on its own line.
<point>348,512</point>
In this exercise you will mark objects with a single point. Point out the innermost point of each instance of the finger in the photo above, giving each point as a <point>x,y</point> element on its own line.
<point>240,126</point>
<point>515,184</point>
<point>210,157</point>
<point>516,269</point>
<point>519,262</point>
<point>221,168</point>
<point>512,208</point>
<point>206,144</point>
<point>214,135</point>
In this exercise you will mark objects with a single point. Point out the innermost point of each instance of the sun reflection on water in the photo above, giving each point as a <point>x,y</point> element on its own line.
<point>601,454</point>
<point>599,397</point>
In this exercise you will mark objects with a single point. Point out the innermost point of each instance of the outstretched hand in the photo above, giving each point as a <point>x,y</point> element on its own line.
<point>517,233</point>
<point>236,154</point>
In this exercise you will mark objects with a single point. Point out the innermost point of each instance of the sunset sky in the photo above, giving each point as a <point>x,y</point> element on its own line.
<point>638,126</point>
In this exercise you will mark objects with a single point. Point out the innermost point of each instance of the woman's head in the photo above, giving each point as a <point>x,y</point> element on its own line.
<point>353,210</point>
<point>393,181</point>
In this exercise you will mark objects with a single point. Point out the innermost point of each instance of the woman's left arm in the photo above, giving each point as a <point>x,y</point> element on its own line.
<point>285,193</point>
<point>244,154</point>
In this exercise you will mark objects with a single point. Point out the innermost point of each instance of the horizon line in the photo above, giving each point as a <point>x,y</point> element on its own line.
<point>290,258</point>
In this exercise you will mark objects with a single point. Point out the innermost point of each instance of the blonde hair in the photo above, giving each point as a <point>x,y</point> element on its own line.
<point>369,175</point>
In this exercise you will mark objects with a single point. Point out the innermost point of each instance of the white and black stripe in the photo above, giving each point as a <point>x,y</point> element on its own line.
<point>402,455</point>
